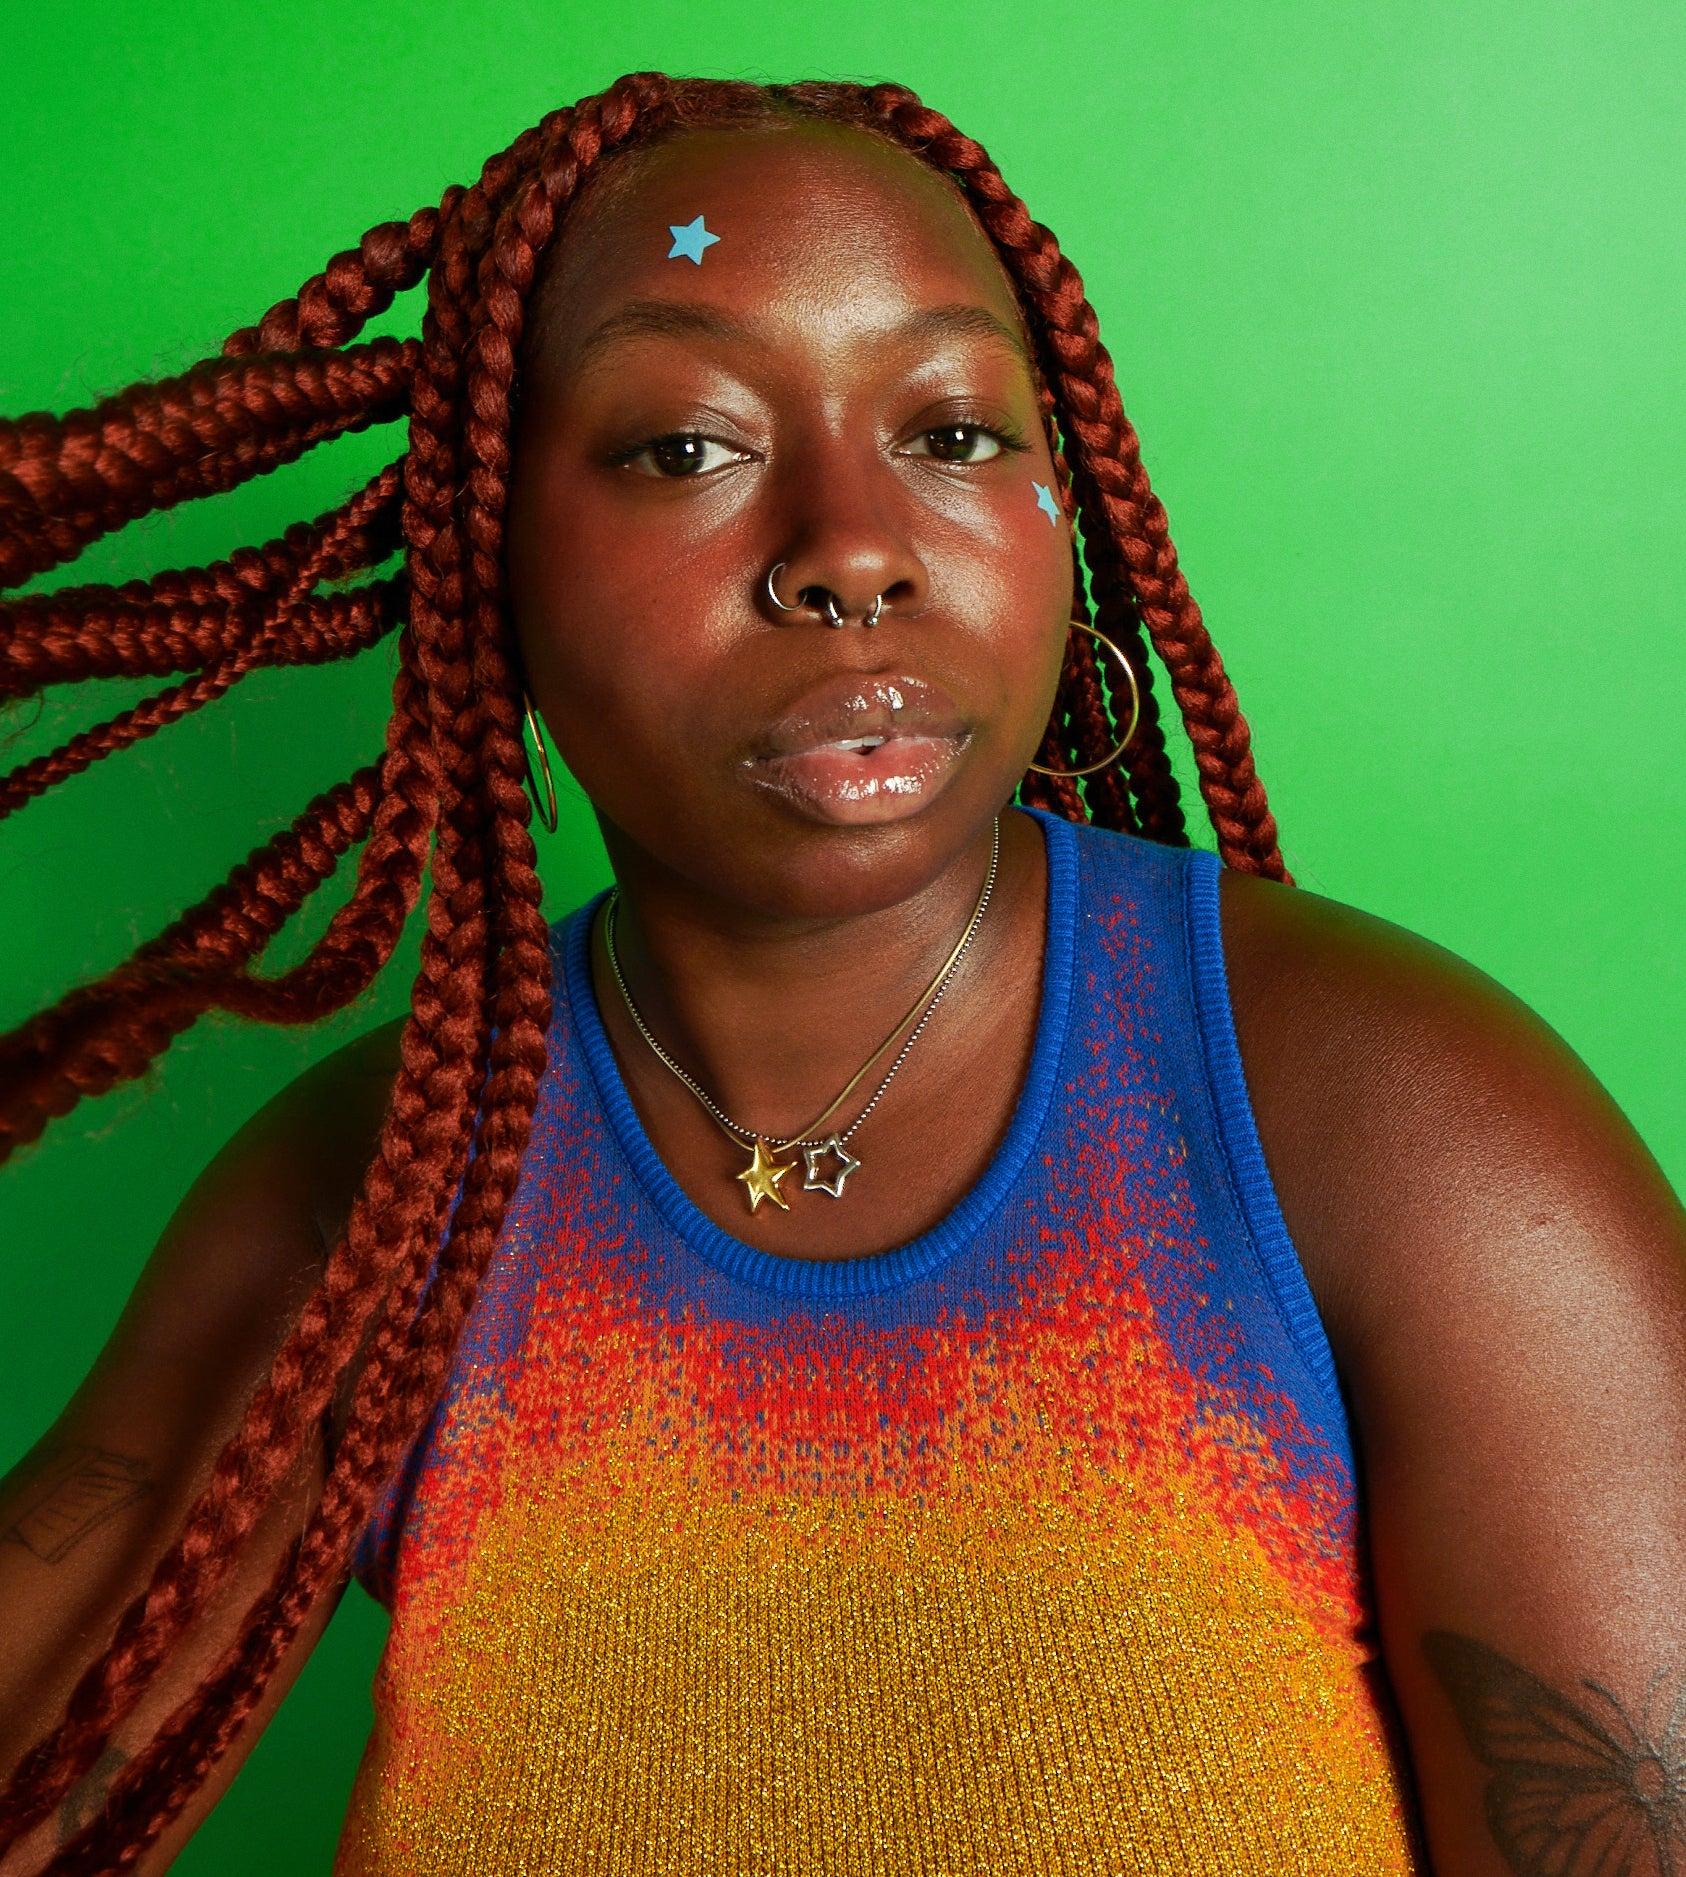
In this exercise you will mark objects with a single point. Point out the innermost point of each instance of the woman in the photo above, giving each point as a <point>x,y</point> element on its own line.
<point>831,1357</point>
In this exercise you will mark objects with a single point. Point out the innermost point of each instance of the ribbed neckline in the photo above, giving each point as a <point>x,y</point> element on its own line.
<point>885,1270</point>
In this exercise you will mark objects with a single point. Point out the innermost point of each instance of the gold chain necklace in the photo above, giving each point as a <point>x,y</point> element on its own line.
<point>765,1171</point>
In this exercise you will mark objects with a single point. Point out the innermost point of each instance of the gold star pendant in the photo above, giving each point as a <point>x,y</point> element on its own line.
<point>761,1177</point>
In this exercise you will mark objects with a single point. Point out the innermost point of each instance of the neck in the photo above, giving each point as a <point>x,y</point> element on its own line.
<point>771,1013</point>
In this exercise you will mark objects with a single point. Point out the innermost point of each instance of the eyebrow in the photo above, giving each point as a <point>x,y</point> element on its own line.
<point>680,319</point>
<point>964,322</point>
<point>660,319</point>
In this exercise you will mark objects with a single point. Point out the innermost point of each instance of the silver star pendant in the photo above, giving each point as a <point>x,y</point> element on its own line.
<point>813,1158</point>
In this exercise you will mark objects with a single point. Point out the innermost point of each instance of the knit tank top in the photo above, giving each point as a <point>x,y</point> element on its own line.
<point>1028,1547</point>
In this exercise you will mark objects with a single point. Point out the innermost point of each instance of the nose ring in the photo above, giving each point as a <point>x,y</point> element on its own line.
<point>834,613</point>
<point>773,592</point>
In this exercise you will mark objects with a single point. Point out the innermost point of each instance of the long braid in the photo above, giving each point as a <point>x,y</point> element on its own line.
<point>517,1062</point>
<point>66,481</point>
<point>336,304</point>
<point>244,1477</point>
<point>110,1031</point>
<point>1152,805</point>
<point>145,719</point>
<point>359,283</point>
<point>1113,492</point>
<point>473,1050</point>
<point>228,1698</point>
<point>189,619</point>
<point>303,1374</point>
<point>268,641</point>
<point>127,636</point>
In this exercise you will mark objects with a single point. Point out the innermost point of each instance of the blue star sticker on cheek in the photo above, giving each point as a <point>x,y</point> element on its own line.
<point>1045,501</point>
<point>690,241</point>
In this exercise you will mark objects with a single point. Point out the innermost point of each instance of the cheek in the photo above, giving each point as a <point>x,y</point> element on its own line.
<point>576,572</point>
<point>1012,572</point>
<point>1034,558</point>
<point>617,688</point>
<point>591,692</point>
<point>1042,547</point>
<point>607,618</point>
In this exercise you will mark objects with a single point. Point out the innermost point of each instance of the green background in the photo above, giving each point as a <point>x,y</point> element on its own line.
<point>1395,292</point>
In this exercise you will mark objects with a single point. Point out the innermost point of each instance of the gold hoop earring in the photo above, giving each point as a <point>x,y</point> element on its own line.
<point>1106,762</point>
<point>545,810</point>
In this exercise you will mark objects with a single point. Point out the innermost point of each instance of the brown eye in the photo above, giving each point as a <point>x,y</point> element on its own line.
<point>685,453</point>
<point>957,443</point>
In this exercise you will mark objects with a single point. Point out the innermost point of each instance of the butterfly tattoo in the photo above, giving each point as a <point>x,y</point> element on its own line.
<point>1576,1791</point>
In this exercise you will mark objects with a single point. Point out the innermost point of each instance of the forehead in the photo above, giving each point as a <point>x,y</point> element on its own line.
<point>818,227</point>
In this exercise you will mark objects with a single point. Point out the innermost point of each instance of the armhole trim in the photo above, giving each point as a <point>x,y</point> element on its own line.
<point>1238,1135</point>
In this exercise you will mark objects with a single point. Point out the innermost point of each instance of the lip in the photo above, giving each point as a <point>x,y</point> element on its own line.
<point>861,749</point>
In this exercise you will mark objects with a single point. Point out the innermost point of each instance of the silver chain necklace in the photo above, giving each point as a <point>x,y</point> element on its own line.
<point>762,1176</point>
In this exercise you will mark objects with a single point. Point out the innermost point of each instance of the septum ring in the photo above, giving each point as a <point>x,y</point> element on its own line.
<point>834,613</point>
<point>835,616</point>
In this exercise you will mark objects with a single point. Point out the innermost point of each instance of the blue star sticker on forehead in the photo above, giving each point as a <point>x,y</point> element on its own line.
<point>690,241</point>
<point>1045,501</point>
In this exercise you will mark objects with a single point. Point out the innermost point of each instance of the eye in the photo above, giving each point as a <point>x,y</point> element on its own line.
<point>685,453</point>
<point>957,443</point>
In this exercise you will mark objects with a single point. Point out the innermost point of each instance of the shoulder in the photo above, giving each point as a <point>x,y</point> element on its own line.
<point>235,1264</point>
<point>106,1488</point>
<point>318,1134</point>
<point>296,1164</point>
<point>1430,1138</point>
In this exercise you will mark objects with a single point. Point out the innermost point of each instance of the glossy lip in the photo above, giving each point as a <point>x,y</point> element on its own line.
<point>862,749</point>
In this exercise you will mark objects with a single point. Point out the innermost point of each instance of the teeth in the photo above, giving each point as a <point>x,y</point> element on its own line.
<point>859,742</point>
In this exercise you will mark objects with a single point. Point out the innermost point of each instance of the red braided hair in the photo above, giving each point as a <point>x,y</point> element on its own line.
<point>446,792</point>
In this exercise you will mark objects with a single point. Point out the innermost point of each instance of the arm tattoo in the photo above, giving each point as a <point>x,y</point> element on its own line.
<point>1576,1791</point>
<point>87,1796</point>
<point>79,1490</point>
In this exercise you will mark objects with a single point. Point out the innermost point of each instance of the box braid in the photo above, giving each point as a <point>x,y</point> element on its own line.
<point>448,791</point>
<point>338,625</point>
<point>65,482</point>
<point>1080,712</point>
<point>1132,562</point>
<point>184,621</point>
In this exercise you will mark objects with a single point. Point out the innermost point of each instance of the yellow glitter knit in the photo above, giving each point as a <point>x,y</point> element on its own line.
<point>1033,1552</point>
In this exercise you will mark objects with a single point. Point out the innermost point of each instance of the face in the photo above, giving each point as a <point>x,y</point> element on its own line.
<point>837,387</point>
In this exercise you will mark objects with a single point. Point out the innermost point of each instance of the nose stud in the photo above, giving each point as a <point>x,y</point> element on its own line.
<point>833,611</point>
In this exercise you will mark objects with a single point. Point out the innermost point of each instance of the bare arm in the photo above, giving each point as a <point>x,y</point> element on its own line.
<point>1502,1270</point>
<point>86,1513</point>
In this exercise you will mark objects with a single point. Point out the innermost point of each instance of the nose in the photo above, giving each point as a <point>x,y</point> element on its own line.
<point>845,557</point>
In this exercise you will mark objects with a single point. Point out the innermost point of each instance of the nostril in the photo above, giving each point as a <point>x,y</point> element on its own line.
<point>831,606</point>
